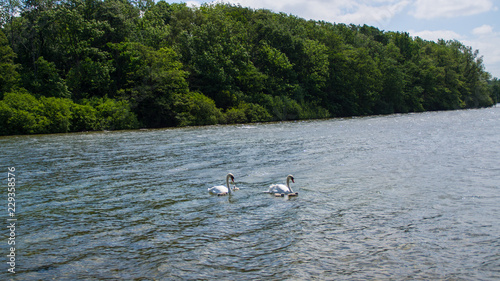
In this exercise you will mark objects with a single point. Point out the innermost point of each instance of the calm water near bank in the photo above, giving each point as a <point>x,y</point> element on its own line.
<point>398,197</point>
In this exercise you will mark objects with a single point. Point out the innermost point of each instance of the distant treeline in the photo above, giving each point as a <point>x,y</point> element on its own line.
<point>78,65</point>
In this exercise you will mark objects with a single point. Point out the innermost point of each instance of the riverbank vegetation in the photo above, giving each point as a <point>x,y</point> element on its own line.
<point>78,65</point>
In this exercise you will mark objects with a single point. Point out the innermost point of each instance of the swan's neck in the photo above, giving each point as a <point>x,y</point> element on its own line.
<point>288,184</point>
<point>228,187</point>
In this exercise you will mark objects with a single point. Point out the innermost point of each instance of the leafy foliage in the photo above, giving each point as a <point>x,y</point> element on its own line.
<point>22,113</point>
<point>77,65</point>
<point>9,76</point>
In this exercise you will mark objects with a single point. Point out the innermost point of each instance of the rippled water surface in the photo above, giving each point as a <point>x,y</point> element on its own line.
<point>395,197</point>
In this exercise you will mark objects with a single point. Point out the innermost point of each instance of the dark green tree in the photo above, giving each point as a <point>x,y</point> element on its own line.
<point>44,80</point>
<point>9,77</point>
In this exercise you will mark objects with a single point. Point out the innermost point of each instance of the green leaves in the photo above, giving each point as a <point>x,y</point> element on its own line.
<point>44,80</point>
<point>193,109</point>
<point>9,77</point>
<point>246,112</point>
<point>22,113</point>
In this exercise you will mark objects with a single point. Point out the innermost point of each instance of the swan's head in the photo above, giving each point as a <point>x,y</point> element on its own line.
<point>291,177</point>
<point>230,176</point>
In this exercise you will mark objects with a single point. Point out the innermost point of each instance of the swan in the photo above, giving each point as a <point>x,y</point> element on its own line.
<point>221,190</point>
<point>281,189</point>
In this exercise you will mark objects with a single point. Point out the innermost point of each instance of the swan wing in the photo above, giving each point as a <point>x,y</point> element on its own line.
<point>278,188</point>
<point>217,189</point>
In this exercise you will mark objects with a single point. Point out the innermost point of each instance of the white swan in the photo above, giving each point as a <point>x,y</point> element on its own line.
<point>281,189</point>
<point>223,190</point>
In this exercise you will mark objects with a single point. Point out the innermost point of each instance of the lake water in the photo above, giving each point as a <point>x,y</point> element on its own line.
<point>395,197</point>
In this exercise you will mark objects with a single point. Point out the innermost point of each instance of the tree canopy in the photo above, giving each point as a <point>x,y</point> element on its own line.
<point>75,65</point>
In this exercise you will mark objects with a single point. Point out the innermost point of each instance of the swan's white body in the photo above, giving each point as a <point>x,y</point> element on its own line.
<point>281,188</point>
<point>218,189</point>
<point>222,190</point>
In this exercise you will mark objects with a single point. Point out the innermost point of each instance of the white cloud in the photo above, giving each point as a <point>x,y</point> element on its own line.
<point>345,11</point>
<point>371,14</point>
<point>429,9</point>
<point>483,30</point>
<point>370,11</point>
<point>435,35</point>
<point>192,3</point>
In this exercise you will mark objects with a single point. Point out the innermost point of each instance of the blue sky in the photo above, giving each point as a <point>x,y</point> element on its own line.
<point>475,23</point>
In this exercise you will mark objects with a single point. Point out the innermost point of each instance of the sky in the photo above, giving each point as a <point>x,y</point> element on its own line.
<point>475,23</point>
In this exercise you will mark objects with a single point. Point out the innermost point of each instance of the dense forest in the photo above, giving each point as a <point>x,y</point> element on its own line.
<point>80,65</point>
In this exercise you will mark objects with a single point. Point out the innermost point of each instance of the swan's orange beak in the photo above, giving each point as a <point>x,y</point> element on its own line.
<point>293,180</point>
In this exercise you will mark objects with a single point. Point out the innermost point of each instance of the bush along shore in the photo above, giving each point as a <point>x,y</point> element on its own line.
<point>81,65</point>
